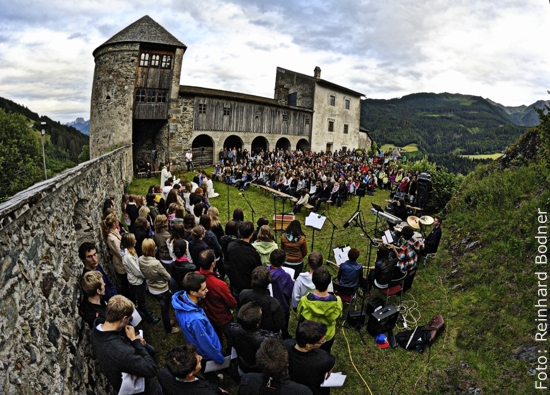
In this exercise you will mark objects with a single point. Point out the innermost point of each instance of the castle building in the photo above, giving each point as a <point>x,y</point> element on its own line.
<point>137,99</point>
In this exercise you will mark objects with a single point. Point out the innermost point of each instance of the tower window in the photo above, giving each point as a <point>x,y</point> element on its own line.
<point>346,129</point>
<point>161,96</point>
<point>331,126</point>
<point>332,100</point>
<point>202,108</point>
<point>144,60</point>
<point>151,95</point>
<point>140,95</point>
<point>346,104</point>
<point>227,111</point>
<point>155,59</point>
<point>285,117</point>
<point>166,61</point>
<point>306,120</point>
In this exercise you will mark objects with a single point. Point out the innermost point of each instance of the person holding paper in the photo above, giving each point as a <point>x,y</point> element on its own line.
<point>119,349</point>
<point>350,272</point>
<point>282,285</point>
<point>304,283</point>
<point>293,242</point>
<point>178,377</point>
<point>307,363</point>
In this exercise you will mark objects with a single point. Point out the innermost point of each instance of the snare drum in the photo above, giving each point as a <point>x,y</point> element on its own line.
<point>399,227</point>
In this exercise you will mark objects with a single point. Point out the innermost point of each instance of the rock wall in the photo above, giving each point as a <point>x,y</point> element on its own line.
<point>44,346</point>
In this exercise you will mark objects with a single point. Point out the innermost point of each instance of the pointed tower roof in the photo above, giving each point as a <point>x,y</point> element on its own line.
<point>144,30</point>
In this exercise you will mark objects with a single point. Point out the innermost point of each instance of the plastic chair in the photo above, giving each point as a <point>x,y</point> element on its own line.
<point>394,287</point>
<point>347,294</point>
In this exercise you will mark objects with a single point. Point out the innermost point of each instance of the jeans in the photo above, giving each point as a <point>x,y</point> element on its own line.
<point>139,293</point>
<point>165,300</point>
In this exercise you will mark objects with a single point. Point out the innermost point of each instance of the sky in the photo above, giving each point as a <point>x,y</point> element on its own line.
<point>383,49</point>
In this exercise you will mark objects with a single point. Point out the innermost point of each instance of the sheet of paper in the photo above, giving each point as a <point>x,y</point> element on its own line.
<point>315,220</point>
<point>212,366</point>
<point>389,238</point>
<point>335,380</point>
<point>289,271</point>
<point>131,384</point>
<point>136,318</point>
<point>341,254</point>
<point>233,353</point>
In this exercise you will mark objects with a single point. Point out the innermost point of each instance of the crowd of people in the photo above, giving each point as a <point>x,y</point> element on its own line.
<point>173,246</point>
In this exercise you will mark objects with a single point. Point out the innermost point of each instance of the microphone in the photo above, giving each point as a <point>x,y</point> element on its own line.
<point>320,215</point>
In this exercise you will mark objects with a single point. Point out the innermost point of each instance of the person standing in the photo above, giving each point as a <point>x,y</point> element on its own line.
<point>88,254</point>
<point>293,242</point>
<point>431,243</point>
<point>189,160</point>
<point>165,174</point>
<point>119,349</point>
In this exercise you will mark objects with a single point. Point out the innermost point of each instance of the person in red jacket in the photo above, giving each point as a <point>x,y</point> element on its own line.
<point>219,300</point>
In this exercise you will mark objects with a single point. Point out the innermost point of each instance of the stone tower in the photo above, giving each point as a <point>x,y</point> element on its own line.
<point>136,76</point>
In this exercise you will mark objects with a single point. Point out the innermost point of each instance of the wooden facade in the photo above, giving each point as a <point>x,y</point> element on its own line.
<point>153,82</point>
<point>212,114</point>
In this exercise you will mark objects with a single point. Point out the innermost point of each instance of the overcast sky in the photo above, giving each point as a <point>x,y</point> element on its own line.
<point>384,49</point>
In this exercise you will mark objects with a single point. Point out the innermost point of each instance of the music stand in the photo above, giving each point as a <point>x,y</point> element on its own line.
<point>378,211</point>
<point>315,221</point>
<point>357,218</point>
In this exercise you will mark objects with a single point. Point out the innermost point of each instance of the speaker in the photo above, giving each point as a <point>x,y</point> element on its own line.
<point>373,304</point>
<point>382,320</point>
<point>356,318</point>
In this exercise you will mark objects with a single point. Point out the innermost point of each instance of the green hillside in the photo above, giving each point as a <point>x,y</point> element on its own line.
<point>441,123</point>
<point>21,150</point>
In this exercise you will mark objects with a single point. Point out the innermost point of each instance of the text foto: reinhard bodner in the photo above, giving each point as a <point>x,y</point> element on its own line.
<point>541,272</point>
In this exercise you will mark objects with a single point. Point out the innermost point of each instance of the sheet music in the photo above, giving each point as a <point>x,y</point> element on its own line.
<point>315,220</point>
<point>212,366</point>
<point>341,254</point>
<point>335,380</point>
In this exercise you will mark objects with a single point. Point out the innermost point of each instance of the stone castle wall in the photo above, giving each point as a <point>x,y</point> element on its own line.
<point>43,343</point>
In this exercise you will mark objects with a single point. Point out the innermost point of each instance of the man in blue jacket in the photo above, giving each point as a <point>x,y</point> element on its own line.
<point>193,320</point>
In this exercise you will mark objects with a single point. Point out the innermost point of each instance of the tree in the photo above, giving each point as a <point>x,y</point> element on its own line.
<point>85,154</point>
<point>20,155</point>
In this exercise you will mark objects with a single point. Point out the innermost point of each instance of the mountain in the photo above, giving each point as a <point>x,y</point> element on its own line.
<point>80,124</point>
<point>523,115</point>
<point>446,123</point>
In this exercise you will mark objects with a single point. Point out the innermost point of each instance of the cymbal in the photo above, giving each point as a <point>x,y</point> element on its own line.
<point>414,222</point>
<point>426,220</point>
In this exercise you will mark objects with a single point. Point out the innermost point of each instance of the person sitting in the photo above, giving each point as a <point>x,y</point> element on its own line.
<point>431,243</point>
<point>407,255</point>
<point>304,198</point>
<point>178,377</point>
<point>272,313</point>
<point>350,272</point>
<point>246,336</point>
<point>323,194</point>
<point>272,358</point>
<point>193,320</point>
<point>320,306</point>
<point>342,194</point>
<point>307,363</point>
<point>384,270</point>
<point>400,209</point>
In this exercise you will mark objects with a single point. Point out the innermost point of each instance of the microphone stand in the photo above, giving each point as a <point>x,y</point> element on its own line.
<point>334,227</point>
<point>249,205</point>
<point>227,183</point>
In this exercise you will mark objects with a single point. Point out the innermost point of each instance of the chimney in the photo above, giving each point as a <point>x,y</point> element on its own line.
<point>317,72</point>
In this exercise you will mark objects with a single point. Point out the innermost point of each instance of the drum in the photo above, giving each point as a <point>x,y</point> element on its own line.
<point>399,227</point>
<point>417,235</point>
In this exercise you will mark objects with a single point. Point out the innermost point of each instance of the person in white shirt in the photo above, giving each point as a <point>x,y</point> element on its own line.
<point>189,160</point>
<point>165,174</point>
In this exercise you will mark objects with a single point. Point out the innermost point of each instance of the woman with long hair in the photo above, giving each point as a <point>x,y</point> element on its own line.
<point>196,243</point>
<point>113,237</point>
<point>178,233</point>
<point>136,279</point>
<point>293,242</point>
<point>264,244</point>
<point>158,282</point>
<point>215,224</point>
<point>160,238</point>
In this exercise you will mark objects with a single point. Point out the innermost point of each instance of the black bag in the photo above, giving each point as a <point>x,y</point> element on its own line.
<point>417,339</point>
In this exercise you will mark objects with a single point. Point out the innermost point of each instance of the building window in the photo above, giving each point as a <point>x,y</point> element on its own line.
<point>346,104</point>
<point>227,111</point>
<point>331,126</point>
<point>151,96</point>
<point>344,148</point>
<point>202,108</point>
<point>166,61</point>
<point>258,113</point>
<point>161,96</point>
<point>306,120</point>
<point>155,60</point>
<point>332,100</point>
<point>140,95</point>
<point>285,117</point>
<point>144,60</point>
<point>346,129</point>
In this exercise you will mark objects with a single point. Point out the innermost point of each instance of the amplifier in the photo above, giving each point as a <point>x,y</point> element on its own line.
<point>356,319</point>
<point>286,220</point>
<point>373,304</point>
<point>382,320</point>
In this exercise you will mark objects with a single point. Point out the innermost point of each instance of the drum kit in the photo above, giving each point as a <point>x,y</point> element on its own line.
<point>414,222</point>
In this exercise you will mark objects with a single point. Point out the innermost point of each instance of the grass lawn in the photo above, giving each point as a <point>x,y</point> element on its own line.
<point>407,148</point>
<point>484,156</point>
<point>460,362</point>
